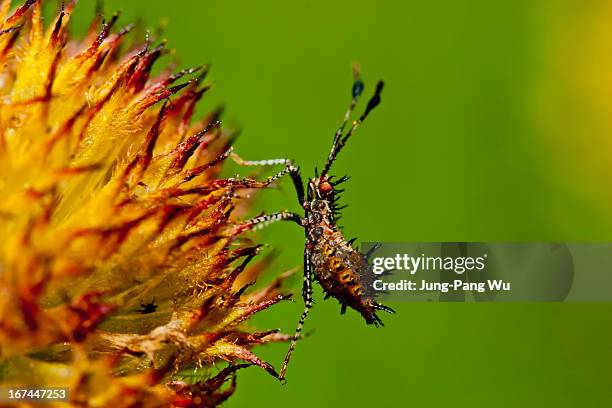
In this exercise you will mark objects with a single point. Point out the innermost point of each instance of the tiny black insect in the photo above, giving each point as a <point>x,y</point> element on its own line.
<point>341,270</point>
<point>146,308</point>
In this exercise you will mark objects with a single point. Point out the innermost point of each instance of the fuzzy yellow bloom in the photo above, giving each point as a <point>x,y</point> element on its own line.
<point>120,264</point>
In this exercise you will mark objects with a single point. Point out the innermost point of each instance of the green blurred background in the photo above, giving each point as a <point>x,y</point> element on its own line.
<point>495,126</point>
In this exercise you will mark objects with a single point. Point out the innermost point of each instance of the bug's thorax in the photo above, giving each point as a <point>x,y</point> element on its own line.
<point>319,212</point>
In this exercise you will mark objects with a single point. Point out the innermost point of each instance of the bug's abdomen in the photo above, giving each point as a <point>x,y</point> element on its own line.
<point>337,267</point>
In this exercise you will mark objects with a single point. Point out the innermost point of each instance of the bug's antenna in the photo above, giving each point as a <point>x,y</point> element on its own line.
<point>339,140</point>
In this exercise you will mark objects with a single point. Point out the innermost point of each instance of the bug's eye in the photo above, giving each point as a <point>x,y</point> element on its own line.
<point>325,187</point>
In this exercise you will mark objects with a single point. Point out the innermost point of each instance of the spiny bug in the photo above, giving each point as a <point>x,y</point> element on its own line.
<point>341,270</point>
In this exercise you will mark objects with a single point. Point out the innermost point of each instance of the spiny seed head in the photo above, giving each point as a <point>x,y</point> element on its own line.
<point>111,199</point>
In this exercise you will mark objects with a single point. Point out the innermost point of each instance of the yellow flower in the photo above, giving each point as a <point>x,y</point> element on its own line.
<point>119,260</point>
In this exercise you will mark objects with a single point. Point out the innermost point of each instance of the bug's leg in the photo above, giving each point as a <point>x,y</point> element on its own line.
<point>270,162</point>
<point>296,178</point>
<point>294,172</point>
<point>307,296</point>
<point>264,220</point>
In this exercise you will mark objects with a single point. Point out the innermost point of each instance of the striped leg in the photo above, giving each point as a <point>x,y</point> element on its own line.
<point>271,162</point>
<point>264,220</point>
<point>307,295</point>
<point>293,171</point>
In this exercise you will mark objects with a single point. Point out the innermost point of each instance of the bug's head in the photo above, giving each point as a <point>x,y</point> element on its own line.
<point>321,187</point>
